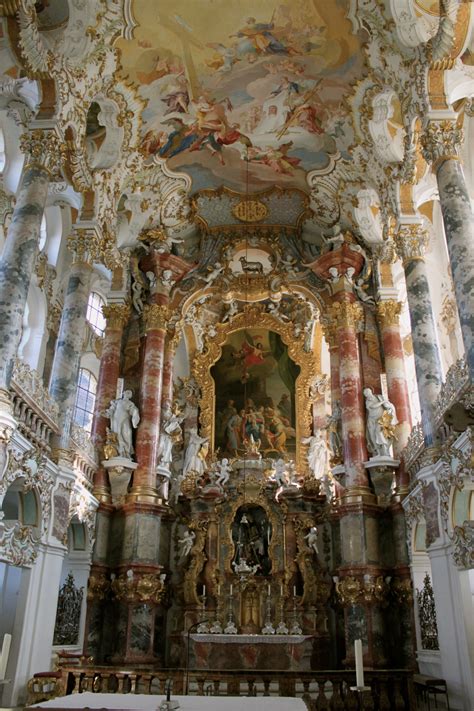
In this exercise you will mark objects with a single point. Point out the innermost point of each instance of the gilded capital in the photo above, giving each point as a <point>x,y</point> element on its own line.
<point>388,312</point>
<point>441,141</point>
<point>116,315</point>
<point>84,246</point>
<point>156,317</point>
<point>412,241</point>
<point>330,332</point>
<point>43,148</point>
<point>346,314</point>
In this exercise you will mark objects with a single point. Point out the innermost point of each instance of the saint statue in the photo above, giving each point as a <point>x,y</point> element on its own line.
<point>196,452</point>
<point>317,453</point>
<point>334,422</point>
<point>381,421</point>
<point>170,433</point>
<point>124,417</point>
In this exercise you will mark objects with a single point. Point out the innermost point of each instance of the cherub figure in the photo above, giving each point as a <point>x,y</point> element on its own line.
<point>312,538</point>
<point>186,543</point>
<point>214,273</point>
<point>224,469</point>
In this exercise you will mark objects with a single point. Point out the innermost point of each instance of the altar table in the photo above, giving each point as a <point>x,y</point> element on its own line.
<point>151,702</point>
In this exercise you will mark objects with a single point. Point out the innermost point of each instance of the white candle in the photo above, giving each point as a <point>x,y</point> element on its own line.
<point>4,658</point>
<point>203,590</point>
<point>231,588</point>
<point>281,590</point>
<point>218,590</point>
<point>294,590</point>
<point>359,663</point>
<point>269,590</point>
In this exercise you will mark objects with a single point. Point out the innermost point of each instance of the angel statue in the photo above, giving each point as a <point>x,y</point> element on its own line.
<point>381,421</point>
<point>186,543</point>
<point>196,452</point>
<point>224,469</point>
<point>124,417</point>
<point>312,538</point>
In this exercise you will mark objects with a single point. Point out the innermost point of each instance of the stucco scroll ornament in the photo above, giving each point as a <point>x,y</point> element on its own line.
<point>463,545</point>
<point>30,467</point>
<point>414,511</point>
<point>457,468</point>
<point>18,544</point>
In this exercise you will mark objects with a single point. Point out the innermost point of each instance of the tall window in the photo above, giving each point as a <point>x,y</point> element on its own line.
<point>85,399</point>
<point>94,313</point>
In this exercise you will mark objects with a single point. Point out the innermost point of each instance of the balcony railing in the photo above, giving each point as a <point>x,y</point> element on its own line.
<point>33,407</point>
<point>390,690</point>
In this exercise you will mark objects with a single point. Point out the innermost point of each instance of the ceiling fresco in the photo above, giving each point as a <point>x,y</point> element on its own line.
<point>242,93</point>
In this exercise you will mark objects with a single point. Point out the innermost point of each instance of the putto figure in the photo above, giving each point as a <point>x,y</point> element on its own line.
<point>124,417</point>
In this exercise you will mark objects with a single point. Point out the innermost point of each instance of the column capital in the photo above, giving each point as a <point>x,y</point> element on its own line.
<point>441,141</point>
<point>44,148</point>
<point>388,312</point>
<point>84,245</point>
<point>412,240</point>
<point>116,315</point>
<point>156,317</point>
<point>330,332</point>
<point>346,314</point>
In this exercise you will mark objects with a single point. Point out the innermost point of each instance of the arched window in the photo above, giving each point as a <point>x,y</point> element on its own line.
<point>85,399</point>
<point>94,313</point>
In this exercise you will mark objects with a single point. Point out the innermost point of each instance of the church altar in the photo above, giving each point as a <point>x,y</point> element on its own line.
<point>253,651</point>
<point>186,703</point>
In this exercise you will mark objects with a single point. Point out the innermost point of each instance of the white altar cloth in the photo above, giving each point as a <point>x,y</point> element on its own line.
<point>187,703</point>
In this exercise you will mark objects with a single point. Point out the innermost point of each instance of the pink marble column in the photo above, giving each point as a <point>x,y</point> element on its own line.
<point>346,315</point>
<point>167,394</point>
<point>388,313</point>
<point>146,450</point>
<point>117,315</point>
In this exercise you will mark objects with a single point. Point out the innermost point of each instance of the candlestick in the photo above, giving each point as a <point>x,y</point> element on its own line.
<point>4,657</point>
<point>359,663</point>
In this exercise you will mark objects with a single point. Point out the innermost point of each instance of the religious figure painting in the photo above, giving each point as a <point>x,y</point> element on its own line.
<point>236,92</point>
<point>255,394</point>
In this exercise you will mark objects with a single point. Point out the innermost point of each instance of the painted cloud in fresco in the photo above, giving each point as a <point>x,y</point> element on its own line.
<point>235,93</point>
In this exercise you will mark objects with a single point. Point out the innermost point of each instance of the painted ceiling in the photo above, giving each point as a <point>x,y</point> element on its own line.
<point>242,93</point>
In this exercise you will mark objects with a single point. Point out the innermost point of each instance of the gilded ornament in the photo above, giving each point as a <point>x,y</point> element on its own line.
<point>402,589</point>
<point>97,587</point>
<point>346,314</point>
<point>44,149</point>
<point>84,245</point>
<point>156,317</point>
<point>388,313</point>
<point>349,590</point>
<point>250,210</point>
<point>441,141</point>
<point>411,240</point>
<point>116,315</point>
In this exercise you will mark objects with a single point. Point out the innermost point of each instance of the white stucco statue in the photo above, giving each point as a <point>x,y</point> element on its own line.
<point>381,421</point>
<point>196,451</point>
<point>124,417</point>
<point>224,469</point>
<point>186,543</point>
<point>170,433</point>
<point>318,455</point>
<point>312,538</point>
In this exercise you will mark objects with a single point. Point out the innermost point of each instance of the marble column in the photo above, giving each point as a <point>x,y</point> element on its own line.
<point>44,153</point>
<point>67,356</point>
<point>116,315</point>
<point>144,479</point>
<point>441,142</point>
<point>388,314</point>
<point>167,390</point>
<point>411,241</point>
<point>346,315</point>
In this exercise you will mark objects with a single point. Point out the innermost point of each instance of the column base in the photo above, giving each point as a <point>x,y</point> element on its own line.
<point>144,495</point>
<point>358,495</point>
<point>102,494</point>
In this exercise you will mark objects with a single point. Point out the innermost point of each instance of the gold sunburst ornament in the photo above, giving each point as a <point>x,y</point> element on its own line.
<point>250,210</point>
